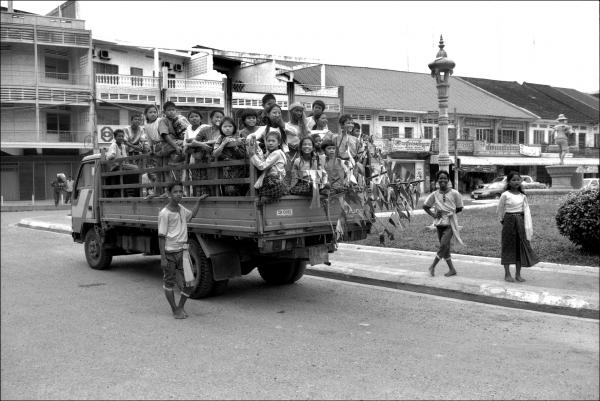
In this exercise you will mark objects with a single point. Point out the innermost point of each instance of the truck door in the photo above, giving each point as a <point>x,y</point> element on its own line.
<point>82,209</point>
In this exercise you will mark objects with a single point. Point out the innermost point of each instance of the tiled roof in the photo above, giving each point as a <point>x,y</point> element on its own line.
<point>565,99</point>
<point>379,89</point>
<point>582,97</point>
<point>532,99</point>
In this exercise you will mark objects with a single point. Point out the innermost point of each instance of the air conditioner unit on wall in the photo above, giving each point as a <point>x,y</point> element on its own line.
<point>104,55</point>
<point>177,67</point>
<point>166,64</point>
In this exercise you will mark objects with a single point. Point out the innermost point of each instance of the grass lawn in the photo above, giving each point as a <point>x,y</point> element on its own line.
<point>481,234</point>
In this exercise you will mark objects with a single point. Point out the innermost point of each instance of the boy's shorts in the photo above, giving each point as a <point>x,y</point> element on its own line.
<point>174,263</point>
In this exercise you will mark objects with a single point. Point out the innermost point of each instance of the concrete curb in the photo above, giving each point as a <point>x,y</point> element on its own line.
<point>29,208</point>
<point>40,225</point>
<point>542,266</point>
<point>489,292</point>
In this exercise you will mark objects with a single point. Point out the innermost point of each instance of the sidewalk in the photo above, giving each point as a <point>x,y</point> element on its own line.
<point>550,287</point>
<point>24,206</point>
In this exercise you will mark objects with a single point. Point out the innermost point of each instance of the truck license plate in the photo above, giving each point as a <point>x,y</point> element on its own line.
<point>285,212</point>
<point>317,254</point>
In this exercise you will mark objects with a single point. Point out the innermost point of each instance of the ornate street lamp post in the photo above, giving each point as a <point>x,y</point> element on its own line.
<point>441,69</point>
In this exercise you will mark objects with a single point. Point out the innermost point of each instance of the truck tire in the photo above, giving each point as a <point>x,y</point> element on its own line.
<point>201,265</point>
<point>283,272</point>
<point>96,254</point>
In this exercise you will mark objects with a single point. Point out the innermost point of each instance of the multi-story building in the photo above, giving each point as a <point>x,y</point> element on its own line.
<point>46,92</point>
<point>128,78</point>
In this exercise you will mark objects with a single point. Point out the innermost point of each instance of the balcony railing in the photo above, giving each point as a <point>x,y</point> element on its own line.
<point>131,81</point>
<point>464,146</point>
<point>41,20</point>
<point>204,85</point>
<point>48,136</point>
<point>481,148</point>
<point>27,77</point>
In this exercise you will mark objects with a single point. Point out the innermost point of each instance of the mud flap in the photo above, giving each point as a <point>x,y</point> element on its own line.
<point>224,257</point>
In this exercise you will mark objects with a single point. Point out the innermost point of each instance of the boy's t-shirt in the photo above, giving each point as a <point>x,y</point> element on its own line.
<point>173,226</point>
<point>175,128</point>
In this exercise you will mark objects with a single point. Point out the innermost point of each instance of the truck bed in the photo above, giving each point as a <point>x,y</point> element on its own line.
<point>239,216</point>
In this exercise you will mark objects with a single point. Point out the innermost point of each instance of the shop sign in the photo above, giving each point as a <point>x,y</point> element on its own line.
<point>478,169</point>
<point>383,144</point>
<point>532,151</point>
<point>411,145</point>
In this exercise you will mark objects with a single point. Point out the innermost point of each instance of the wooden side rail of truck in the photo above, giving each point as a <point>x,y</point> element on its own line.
<point>229,236</point>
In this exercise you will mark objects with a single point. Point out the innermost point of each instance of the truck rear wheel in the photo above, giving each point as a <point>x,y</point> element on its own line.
<point>202,266</point>
<point>96,254</point>
<point>282,272</point>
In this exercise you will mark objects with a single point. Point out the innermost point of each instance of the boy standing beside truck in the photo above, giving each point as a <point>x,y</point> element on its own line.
<point>173,243</point>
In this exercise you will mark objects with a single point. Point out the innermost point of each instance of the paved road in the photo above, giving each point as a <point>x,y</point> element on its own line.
<point>72,332</point>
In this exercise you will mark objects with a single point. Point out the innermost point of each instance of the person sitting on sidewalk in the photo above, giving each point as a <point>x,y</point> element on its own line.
<point>446,203</point>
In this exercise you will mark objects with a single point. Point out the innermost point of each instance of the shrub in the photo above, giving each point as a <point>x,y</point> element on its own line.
<point>578,218</point>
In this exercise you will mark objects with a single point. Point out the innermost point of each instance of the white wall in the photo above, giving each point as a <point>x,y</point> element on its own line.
<point>126,58</point>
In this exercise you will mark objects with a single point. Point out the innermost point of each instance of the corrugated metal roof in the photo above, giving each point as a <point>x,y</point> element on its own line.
<point>585,98</point>
<point>579,107</point>
<point>530,98</point>
<point>379,89</point>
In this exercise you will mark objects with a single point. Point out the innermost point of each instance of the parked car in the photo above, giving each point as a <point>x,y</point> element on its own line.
<point>491,190</point>
<point>589,183</point>
<point>527,183</point>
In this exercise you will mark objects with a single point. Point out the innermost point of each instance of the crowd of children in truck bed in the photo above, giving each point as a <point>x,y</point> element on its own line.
<point>299,157</point>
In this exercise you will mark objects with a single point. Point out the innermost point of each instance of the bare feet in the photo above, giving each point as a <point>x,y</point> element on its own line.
<point>179,314</point>
<point>519,279</point>
<point>509,279</point>
<point>432,270</point>
<point>450,273</point>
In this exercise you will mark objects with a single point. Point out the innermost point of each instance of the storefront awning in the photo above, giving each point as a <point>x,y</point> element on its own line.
<point>525,161</point>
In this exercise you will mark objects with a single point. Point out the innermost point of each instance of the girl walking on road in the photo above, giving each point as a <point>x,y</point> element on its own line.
<point>446,203</point>
<point>515,217</point>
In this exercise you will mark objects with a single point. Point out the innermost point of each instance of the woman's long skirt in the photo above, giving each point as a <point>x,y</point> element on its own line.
<point>515,246</point>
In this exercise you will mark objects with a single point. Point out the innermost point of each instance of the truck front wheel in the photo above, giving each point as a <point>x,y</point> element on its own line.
<point>202,266</point>
<point>96,254</point>
<point>282,272</point>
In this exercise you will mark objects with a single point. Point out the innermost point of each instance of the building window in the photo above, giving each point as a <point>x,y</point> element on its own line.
<point>136,72</point>
<point>538,136</point>
<point>56,68</point>
<point>365,129</point>
<point>466,133</point>
<point>508,136</point>
<point>59,124</point>
<point>596,140</point>
<point>108,116</point>
<point>103,68</point>
<point>390,132</point>
<point>408,132</point>
<point>428,132</point>
<point>485,135</point>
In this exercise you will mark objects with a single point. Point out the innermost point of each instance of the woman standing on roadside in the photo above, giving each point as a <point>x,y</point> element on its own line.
<point>446,203</point>
<point>515,217</point>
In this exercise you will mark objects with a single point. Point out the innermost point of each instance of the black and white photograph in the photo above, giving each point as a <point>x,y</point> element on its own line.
<point>299,200</point>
